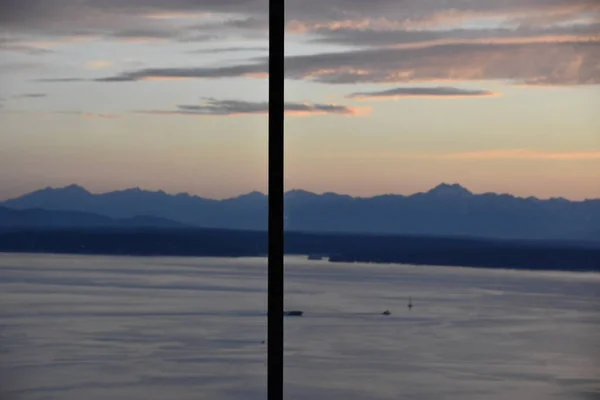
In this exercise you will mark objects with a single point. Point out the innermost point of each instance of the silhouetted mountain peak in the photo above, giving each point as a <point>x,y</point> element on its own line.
<point>333,195</point>
<point>559,200</point>
<point>139,193</point>
<point>131,190</point>
<point>299,194</point>
<point>450,190</point>
<point>73,189</point>
<point>254,195</point>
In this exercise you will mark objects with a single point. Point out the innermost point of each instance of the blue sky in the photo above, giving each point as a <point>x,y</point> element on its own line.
<point>384,96</point>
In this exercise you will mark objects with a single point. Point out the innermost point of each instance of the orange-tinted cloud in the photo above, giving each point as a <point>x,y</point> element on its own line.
<point>498,154</point>
<point>523,154</point>
<point>524,13</point>
<point>257,75</point>
<point>301,27</point>
<point>98,64</point>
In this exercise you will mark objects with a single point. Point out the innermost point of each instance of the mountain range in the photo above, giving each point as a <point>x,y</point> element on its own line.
<point>445,210</point>
<point>37,218</point>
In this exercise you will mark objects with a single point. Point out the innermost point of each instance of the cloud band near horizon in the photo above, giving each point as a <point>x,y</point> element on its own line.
<point>222,108</point>
<point>426,92</point>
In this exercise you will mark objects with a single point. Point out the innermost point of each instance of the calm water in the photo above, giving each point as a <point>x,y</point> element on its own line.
<point>91,328</point>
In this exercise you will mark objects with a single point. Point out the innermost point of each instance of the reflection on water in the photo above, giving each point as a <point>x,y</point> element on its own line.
<point>76,327</point>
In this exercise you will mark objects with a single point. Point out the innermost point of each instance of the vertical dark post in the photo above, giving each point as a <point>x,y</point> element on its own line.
<point>276,166</point>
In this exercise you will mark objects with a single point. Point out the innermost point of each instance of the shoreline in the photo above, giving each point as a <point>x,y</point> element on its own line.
<point>407,250</point>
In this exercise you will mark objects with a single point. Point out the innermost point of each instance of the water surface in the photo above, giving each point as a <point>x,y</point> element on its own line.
<point>95,327</point>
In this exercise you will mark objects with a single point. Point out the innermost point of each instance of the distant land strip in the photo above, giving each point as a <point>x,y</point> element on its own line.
<point>364,248</point>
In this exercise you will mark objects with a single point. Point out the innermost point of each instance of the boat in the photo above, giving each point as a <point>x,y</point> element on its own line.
<point>293,313</point>
<point>410,305</point>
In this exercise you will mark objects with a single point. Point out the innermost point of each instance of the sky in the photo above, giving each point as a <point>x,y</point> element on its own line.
<point>383,96</point>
